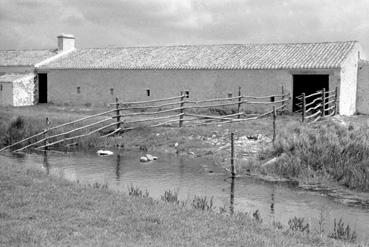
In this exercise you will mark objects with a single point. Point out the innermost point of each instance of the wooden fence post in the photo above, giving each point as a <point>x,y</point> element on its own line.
<point>46,136</point>
<point>336,101</point>
<point>303,107</point>
<point>232,155</point>
<point>274,126</point>
<point>117,112</point>
<point>323,102</point>
<point>239,102</point>
<point>181,109</point>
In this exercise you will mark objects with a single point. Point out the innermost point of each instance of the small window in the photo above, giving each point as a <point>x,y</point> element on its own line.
<point>78,90</point>
<point>272,99</point>
<point>187,94</point>
<point>230,95</point>
<point>148,92</point>
<point>112,91</point>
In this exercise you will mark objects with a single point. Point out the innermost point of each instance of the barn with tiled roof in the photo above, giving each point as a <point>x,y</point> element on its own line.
<point>95,76</point>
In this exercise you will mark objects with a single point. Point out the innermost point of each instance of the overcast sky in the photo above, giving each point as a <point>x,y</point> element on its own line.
<point>26,24</point>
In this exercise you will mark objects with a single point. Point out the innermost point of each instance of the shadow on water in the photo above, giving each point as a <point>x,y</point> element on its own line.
<point>190,177</point>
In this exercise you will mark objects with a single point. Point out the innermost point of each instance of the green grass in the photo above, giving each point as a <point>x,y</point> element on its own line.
<point>329,150</point>
<point>38,210</point>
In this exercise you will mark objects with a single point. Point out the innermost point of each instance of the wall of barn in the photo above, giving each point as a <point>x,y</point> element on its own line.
<point>362,102</point>
<point>100,87</point>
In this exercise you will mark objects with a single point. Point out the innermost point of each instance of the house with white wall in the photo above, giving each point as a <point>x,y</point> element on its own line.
<point>95,76</point>
<point>18,77</point>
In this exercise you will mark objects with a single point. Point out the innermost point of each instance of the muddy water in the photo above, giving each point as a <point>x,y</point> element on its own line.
<point>191,177</point>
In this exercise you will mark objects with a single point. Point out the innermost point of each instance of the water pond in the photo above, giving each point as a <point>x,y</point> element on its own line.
<point>190,177</point>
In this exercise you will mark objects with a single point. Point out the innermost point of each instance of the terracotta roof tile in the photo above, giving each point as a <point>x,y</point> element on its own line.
<point>234,56</point>
<point>15,77</point>
<point>24,57</point>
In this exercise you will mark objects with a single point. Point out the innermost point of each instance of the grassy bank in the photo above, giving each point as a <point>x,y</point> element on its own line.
<point>329,150</point>
<point>37,210</point>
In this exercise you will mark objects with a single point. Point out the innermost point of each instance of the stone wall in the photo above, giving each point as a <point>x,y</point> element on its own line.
<point>23,90</point>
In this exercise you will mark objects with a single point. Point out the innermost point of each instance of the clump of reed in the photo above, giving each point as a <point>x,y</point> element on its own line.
<point>327,149</point>
<point>203,203</point>
<point>135,191</point>
<point>297,224</point>
<point>342,231</point>
<point>170,196</point>
<point>257,216</point>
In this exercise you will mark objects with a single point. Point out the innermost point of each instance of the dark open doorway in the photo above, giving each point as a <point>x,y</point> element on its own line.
<point>42,88</point>
<point>308,84</point>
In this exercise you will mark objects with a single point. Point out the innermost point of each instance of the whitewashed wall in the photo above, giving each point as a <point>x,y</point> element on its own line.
<point>362,101</point>
<point>348,84</point>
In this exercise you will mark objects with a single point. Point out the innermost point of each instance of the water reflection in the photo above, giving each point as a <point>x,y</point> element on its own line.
<point>272,204</point>
<point>231,205</point>
<point>46,164</point>
<point>117,168</point>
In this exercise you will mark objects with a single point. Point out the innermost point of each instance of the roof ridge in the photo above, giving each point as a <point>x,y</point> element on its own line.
<point>46,49</point>
<point>220,44</point>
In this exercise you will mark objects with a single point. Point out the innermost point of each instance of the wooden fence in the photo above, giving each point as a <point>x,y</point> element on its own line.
<point>153,113</point>
<point>318,105</point>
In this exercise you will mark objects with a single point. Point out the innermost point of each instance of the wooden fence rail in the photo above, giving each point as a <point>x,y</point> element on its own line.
<point>322,104</point>
<point>117,120</point>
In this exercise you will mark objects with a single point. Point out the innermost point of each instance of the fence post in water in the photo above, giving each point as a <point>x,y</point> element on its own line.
<point>303,107</point>
<point>336,101</point>
<point>46,134</point>
<point>181,109</point>
<point>232,155</point>
<point>117,112</point>
<point>323,102</point>
<point>231,204</point>
<point>239,102</point>
<point>274,126</point>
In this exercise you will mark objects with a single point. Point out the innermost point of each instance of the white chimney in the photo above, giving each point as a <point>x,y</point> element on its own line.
<point>65,42</point>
